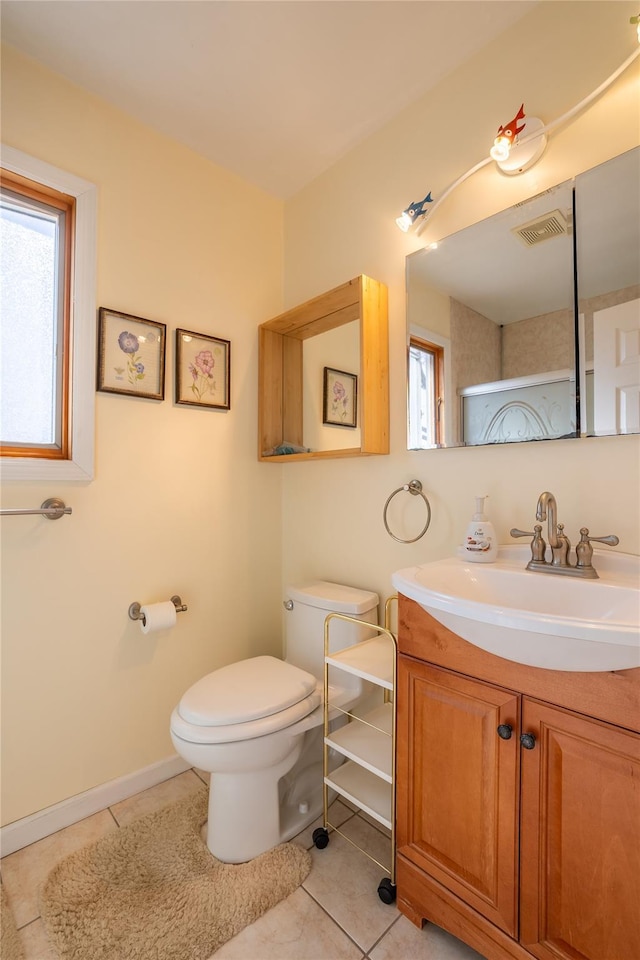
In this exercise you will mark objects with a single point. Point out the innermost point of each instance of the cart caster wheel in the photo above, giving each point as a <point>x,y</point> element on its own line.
<point>320,837</point>
<point>387,890</point>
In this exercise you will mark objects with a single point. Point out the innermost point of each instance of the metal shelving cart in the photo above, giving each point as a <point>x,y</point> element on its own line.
<point>367,743</point>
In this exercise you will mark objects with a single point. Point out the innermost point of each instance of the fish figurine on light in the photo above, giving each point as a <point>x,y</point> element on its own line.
<point>413,211</point>
<point>511,130</point>
<point>506,135</point>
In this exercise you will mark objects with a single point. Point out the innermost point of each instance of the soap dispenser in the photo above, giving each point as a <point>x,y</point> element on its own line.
<point>480,544</point>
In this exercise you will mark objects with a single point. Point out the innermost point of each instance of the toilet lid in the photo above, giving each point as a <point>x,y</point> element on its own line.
<point>309,710</point>
<point>246,690</point>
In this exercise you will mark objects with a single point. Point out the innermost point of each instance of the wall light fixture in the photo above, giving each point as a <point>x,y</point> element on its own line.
<point>516,148</point>
<point>512,155</point>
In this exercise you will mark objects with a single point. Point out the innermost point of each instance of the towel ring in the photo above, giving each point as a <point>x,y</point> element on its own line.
<point>415,488</point>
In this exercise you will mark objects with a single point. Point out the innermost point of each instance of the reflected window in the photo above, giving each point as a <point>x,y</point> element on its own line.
<point>426,394</point>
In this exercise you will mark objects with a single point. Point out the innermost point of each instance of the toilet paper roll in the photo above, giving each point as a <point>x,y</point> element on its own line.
<point>158,616</point>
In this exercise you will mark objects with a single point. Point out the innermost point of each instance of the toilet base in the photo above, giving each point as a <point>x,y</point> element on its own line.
<point>300,790</point>
<point>244,811</point>
<point>252,812</point>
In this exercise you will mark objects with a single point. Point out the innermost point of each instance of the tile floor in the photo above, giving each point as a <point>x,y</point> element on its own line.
<point>335,915</point>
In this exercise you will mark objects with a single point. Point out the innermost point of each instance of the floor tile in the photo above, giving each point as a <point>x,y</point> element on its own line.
<point>345,881</point>
<point>372,837</point>
<point>156,797</point>
<point>295,929</point>
<point>35,942</point>
<point>431,943</point>
<point>25,871</point>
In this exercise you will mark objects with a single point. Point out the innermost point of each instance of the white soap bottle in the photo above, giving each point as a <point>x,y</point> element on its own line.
<point>480,545</point>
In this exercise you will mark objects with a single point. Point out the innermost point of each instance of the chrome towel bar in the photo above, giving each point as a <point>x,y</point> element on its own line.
<point>52,509</point>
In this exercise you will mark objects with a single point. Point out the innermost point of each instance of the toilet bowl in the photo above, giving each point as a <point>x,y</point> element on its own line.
<point>256,726</point>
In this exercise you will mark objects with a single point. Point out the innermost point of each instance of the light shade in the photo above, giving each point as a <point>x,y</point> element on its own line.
<point>526,151</point>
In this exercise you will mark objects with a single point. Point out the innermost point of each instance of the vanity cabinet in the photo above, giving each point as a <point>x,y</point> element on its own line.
<point>518,800</point>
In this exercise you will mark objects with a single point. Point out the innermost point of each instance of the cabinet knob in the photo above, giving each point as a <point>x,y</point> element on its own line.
<point>504,731</point>
<point>528,741</point>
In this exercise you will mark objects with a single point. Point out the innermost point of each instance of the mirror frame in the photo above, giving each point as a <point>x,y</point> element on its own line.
<point>280,378</point>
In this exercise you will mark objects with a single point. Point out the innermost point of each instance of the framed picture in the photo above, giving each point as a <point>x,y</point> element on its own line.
<point>340,395</point>
<point>203,370</point>
<point>131,354</point>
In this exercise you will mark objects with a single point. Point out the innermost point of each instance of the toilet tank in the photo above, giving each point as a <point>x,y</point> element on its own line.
<point>306,607</point>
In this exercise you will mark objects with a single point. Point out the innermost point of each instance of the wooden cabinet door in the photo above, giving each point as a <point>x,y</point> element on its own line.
<point>580,840</point>
<point>457,786</point>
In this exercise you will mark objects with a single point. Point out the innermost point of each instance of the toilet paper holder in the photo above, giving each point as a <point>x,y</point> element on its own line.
<point>135,612</point>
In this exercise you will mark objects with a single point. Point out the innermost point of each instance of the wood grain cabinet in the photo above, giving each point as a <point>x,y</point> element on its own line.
<point>518,800</point>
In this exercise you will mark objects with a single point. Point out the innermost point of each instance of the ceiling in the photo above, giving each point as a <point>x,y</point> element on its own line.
<point>274,90</point>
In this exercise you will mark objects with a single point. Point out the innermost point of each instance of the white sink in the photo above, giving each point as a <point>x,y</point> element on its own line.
<point>541,619</point>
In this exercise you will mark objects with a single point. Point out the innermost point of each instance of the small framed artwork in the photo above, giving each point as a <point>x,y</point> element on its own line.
<point>340,396</point>
<point>203,370</point>
<point>131,354</point>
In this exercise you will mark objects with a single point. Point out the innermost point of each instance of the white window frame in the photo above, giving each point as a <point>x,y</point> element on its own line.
<point>83,326</point>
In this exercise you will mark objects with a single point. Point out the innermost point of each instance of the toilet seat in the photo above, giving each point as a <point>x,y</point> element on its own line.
<point>243,700</point>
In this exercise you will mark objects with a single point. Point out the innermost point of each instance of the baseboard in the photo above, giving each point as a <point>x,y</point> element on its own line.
<point>42,824</point>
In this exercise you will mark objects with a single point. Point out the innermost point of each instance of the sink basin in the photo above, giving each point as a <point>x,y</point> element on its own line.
<point>541,619</point>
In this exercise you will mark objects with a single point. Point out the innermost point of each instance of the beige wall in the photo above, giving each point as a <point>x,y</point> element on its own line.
<point>526,344</point>
<point>179,503</point>
<point>343,225</point>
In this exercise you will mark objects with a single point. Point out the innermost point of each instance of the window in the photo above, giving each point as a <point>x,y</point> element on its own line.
<point>47,335</point>
<point>426,396</point>
<point>37,242</point>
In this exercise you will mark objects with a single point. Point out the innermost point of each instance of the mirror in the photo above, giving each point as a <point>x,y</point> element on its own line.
<point>335,350</point>
<point>608,261</point>
<point>500,317</point>
<point>302,417</point>
<point>492,308</point>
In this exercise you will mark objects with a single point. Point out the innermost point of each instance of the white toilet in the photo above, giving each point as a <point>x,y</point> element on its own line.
<point>256,725</point>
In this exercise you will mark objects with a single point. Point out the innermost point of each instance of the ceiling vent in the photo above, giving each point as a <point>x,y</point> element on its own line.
<point>554,224</point>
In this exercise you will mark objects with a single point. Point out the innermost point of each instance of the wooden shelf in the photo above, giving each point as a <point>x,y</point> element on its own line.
<point>280,369</point>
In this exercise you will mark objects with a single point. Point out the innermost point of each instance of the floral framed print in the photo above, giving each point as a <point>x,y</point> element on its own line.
<point>340,396</point>
<point>131,355</point>
<point>203,370</point>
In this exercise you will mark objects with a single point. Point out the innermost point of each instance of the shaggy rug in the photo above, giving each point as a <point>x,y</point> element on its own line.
<point>10,946</point>
<point>152,890</point>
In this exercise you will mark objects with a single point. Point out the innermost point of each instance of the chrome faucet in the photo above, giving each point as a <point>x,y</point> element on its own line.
<point>547,509</point>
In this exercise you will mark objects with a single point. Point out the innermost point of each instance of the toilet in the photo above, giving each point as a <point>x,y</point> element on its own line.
<point>257,725</point>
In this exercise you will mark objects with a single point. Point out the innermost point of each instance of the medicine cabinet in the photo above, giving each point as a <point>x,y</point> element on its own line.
<point>509,298</point>
<point>284,382</point>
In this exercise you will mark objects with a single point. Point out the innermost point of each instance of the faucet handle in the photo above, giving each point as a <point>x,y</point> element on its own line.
<point>538,546</point>
<point>612,540</point>
<point>584,550</point>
